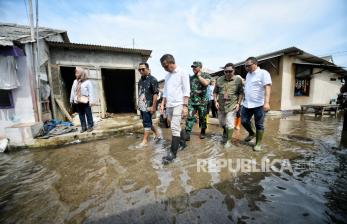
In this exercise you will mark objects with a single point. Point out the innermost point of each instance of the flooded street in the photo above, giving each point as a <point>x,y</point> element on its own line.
<point>111,181</point>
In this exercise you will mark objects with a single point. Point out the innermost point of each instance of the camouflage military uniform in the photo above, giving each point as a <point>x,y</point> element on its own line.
<point>228,92</point>
<point>197,102</point>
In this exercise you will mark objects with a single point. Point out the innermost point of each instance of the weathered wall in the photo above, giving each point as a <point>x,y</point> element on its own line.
<point>321,88</point>
<point>94,61</point>
<point>93,58</point>
<point>22,96</point>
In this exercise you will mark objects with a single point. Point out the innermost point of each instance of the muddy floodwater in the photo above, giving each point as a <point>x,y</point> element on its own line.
<point>112,181</point>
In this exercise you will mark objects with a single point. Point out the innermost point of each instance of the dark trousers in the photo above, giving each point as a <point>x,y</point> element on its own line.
<point>211,106</point>
<point>146,120</point>
<point>84,110</point>
<point>246,116</point>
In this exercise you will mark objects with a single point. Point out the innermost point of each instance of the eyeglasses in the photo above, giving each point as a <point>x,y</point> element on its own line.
<point>141,69</point>
<point>228,71</point>
<point>247,66</point>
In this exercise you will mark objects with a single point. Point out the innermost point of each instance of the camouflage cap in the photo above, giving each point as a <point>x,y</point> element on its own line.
<point>196,64</point>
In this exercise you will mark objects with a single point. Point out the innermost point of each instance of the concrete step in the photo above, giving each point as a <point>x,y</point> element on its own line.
<point>23,133</point>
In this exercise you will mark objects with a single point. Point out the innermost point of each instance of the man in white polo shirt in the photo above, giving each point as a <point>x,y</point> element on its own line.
<point>175,96</point>
<point>256,101</point>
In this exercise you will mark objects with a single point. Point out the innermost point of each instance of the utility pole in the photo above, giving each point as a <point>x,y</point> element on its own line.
<point>38,63</point>
<point>31,18</point>
<point>33,73</point>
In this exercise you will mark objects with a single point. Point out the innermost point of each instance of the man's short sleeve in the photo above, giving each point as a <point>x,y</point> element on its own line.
<point>154,86</point>
<point>266,78</point>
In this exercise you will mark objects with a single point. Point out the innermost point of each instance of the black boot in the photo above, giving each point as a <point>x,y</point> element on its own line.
<point>203,133</point>
<point>173,151</point>
<point>224,138</point>
<point>186,135</point>
<point>183,140</point>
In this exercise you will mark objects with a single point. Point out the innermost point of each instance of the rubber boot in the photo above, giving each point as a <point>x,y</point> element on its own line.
<point>203,133</point>
<point>229,144</point>
<point>237,123</point>
<point>224,138</point>
<point>173,151</point>
<point>183,143</point>
<point>186,135</point>
<point>251,132</point>
<point>259,137</point>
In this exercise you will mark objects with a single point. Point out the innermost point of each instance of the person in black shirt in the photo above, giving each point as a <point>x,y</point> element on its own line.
<point>148,91</point>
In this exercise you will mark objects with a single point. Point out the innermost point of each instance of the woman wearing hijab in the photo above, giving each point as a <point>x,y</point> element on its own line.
<point>82,96</point>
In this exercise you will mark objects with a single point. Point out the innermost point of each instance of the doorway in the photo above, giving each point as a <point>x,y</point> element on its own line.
<point>67,75</point>
<point>119,90</point>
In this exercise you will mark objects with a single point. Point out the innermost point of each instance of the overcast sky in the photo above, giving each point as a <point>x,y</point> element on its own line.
<point>214,32</point>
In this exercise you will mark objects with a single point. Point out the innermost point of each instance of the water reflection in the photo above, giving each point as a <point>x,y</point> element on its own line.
<point>110,181</point>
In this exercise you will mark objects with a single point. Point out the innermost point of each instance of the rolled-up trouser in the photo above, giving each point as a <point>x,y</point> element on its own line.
<point>146,120</point>
<point>227,119</point>
<point>175,115</point>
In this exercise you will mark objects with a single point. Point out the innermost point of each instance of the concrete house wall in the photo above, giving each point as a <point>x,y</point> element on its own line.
<point>24,110</point>
<point>22,98</point>
<point>321,88</point>
<point>276,89</point>
<point>94,61</point>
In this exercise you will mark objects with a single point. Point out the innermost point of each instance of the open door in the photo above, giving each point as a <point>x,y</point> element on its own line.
<point>119,90</point>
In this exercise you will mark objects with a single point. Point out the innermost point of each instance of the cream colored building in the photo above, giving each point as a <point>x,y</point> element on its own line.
<point>299,78</point>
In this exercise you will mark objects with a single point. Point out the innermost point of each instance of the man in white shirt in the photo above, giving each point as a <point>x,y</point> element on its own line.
<point>256,100</point>
<point>175,96</point>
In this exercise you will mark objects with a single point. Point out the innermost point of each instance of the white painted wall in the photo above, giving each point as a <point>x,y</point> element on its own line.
<point>324,89</point>
<point>23,107</point>
<point>321,88</point>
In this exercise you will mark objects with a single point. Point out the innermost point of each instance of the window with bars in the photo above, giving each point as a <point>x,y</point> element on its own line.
<point>302,87</point>
<point>302,80</point>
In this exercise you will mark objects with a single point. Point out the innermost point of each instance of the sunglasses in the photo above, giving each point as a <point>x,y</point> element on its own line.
<point>141,69</point>
<point>228,71</point>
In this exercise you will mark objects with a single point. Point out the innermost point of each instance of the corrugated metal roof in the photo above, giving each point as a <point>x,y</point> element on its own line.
<point>99,47</point>
<point>10,33</point>
<point>294,51</point>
